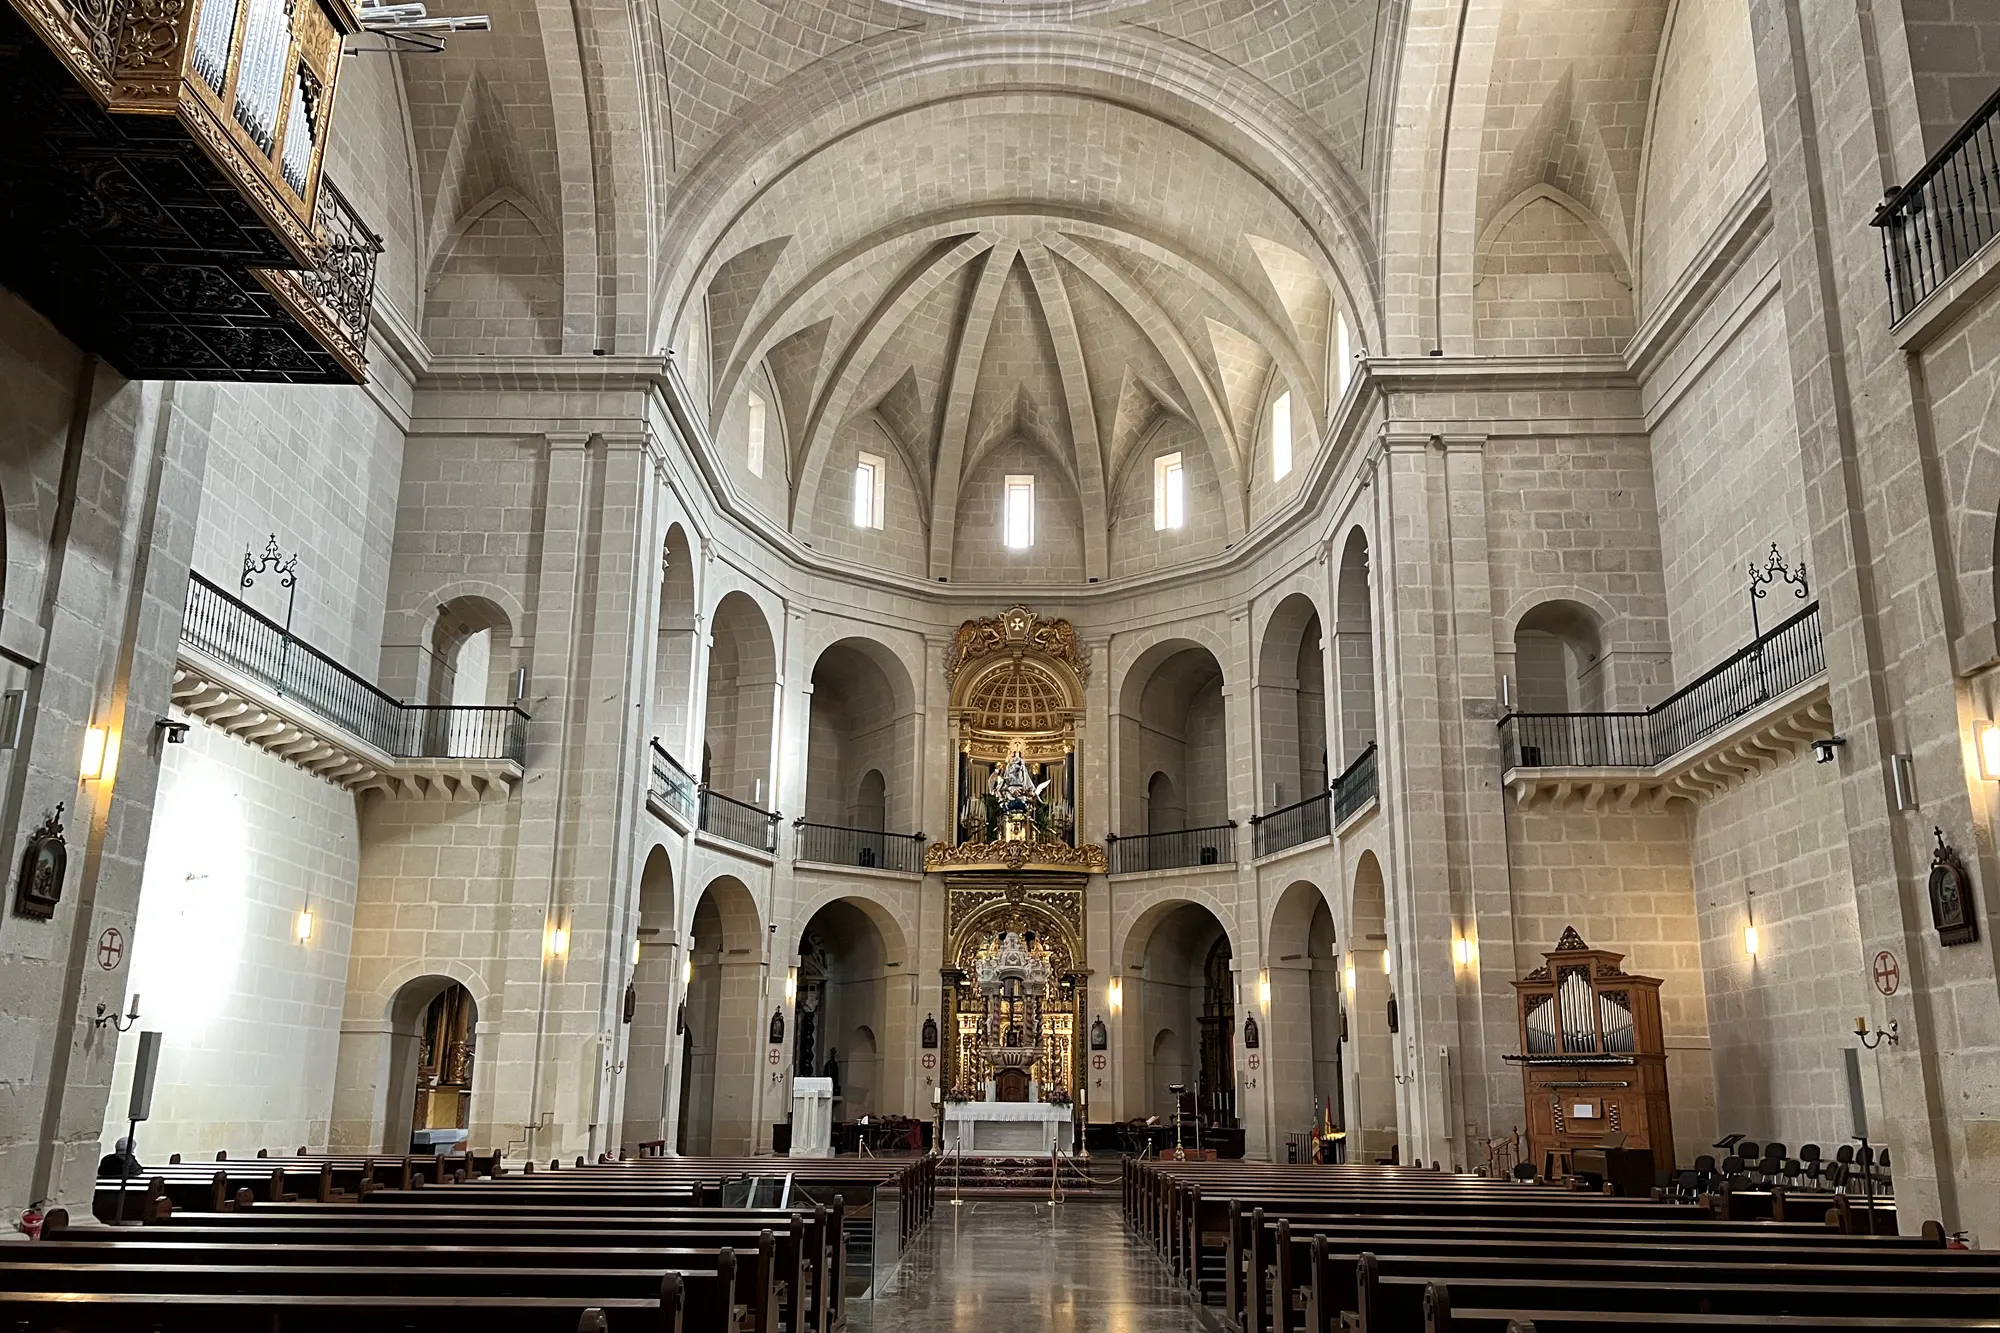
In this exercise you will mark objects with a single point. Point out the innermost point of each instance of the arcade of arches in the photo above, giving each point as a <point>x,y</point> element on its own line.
<point>1039,552</point>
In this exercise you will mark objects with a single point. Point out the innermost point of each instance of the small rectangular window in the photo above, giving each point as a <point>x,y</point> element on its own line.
<point>755,447</point>
<point>1281,436</point>
<point>1344,349</point>
<point>1019,511</point>
<point>1169,492</point>
<point>870,470</point>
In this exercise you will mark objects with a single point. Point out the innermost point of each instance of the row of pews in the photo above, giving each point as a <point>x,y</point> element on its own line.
<point>1288,1249</point>
<point>320,1242</point>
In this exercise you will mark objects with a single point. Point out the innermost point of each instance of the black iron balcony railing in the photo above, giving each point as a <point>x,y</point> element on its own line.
<point>1944,215</point>
<point>1299,822</point>
<point>1134,853</point>
<point>1357,786</point>
<point>870,849</point>
<point>738,821</point>
<point>1779,662</point>
<point>335,297</point>
<point>225,629</point>
<point>672,785</point>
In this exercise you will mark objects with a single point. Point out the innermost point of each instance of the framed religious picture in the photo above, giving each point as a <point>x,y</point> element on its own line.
<point>1250,1034</point>
<point>1951,896</point>
<point>44,867</point>
<point>1100,1037</point>
<point>777,1027</point>
<point>930,1032</point>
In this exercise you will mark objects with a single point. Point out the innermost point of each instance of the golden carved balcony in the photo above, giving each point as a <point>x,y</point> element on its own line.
<point>161,199</point>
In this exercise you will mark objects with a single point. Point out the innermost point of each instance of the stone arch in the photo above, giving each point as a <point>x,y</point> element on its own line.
<point>1172,720</point>
<point>725,964</point>
<point>1178,977</point>
<point>1354,649</point>
<point>1291,704</point>
<point>742,706</point>
<point>501,270</point>
<point>1165,812</point>
<point>853,983</point>
<point>675,653</point>
<point>863,720</point>
<point>1559,657</point>
<point>649,1040</point>
<point>1369,990</point>
<point>470,653</point>
<point>1305,1017</point>
<point>1526,305</point>
<point>406,1012</point>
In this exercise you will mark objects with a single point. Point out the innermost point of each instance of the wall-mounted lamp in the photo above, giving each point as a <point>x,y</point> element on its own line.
<point>687,970</point>
<point>1385,963</point>
<point>105,1018</point>
<point>1989,751</point>
<point>1869,1039</point>
<point>791,985</point>
<point>1463,951</point>
<point>1826,747</point>
<point>1114,994</point>
<point>1264,988</point>
<point>100,755</point>
<point>1749,927</point>
<point>558,939</point>
<point>1348,975</point>
<point>637,945</point>
<point>303,927</point>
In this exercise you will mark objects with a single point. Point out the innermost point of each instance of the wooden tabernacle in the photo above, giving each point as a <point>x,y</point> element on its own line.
<point>1593,1057</point>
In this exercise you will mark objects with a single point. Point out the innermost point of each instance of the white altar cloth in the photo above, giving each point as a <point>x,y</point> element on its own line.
<point>1005,1129</point>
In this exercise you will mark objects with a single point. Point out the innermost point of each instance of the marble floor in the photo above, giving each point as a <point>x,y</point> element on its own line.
<point>1020,1266</point>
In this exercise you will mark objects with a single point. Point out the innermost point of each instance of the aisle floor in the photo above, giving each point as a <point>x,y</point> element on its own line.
<point>1021,1266</point>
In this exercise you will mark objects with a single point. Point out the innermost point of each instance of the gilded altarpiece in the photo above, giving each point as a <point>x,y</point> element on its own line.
<point>1047,910</point>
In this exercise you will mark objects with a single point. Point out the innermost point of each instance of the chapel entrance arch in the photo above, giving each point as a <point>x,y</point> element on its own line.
<point>433,1023</point>
<point>718,1047</point>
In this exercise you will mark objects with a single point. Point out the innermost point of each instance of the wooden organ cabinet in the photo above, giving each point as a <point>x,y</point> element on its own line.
<point>1593,1063</point>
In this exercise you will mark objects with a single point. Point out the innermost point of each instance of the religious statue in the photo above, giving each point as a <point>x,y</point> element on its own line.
<point>1018,796</point>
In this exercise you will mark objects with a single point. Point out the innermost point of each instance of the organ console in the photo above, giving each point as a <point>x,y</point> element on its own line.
<point>1593,1063</point>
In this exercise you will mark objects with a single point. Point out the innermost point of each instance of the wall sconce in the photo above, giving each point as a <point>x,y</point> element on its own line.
<point>637,945</point>
<point>1989,751</point>
<point>105,1018</point>
<point>100,755</point>
<point>1264,988</point>
<point>687,970</point>
<point>1348,975</point>
<point>303,928</point>
<point>1463,951</point>
<point>1385,963</point>
<point>1869,1039</point>
<point>1749,927</point>
<point>1114,994</point>
<point>558,940</point>
<point>791,985</point>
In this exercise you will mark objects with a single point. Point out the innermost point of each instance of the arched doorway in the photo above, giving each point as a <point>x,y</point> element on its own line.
<point>1354,651</point>
<point>674,651</point>
<point>742,703</point>
<point>1171,727</point>
<point>1302,1029</point>
<point>1368,977</point>
<point>718,1046</point>
<point>850,989</point>
<point>861,756</point>
<point>433,1022</point>
<point>1291,705</point>
<point>649,1044</point>
<point>471,666</point>
<point>1180,1010</point>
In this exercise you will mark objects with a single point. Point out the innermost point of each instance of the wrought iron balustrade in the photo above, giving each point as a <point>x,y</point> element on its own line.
<point>1300,822</point>
<point>738,821</point>
<point>1944,215</point>
<point>225,629</point>
<point>1133,853</point>
<point>672,785</point>
<point>870,849</point>
<point>336,295</point>
<point>1775,664</point>
<point>1357,786</point>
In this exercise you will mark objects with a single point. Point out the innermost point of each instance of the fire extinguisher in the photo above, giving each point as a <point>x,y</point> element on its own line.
<point>31,1223</point>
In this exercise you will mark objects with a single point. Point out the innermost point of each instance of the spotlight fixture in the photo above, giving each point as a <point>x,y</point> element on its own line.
<point>1824,748</point>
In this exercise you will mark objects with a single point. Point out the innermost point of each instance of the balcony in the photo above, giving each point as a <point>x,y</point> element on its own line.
<point>247,675</point>
<point>738,821</point>
<point>673,790</point>
<point>1944,215</point>
<point>161,199</point>
<point>1319,814</point>
<point>1739,717</point>
<point>865,849</point>
<point>1135,854</point>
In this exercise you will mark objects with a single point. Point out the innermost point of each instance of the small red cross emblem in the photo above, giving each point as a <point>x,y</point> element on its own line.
<point>774,1055</point>
<point>1097,1062</point>
<point>930,1060</point>
<point>110,947</point>
<point>1888,974</point>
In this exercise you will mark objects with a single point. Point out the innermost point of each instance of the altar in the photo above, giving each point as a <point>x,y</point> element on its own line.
<point>1006,1129</point>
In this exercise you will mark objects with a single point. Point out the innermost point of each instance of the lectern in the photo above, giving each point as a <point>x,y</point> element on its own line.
<point>1593,1057</point>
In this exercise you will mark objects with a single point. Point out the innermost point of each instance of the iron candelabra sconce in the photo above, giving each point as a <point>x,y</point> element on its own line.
<point>116,1022</point>
<point>1873,1039</point>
